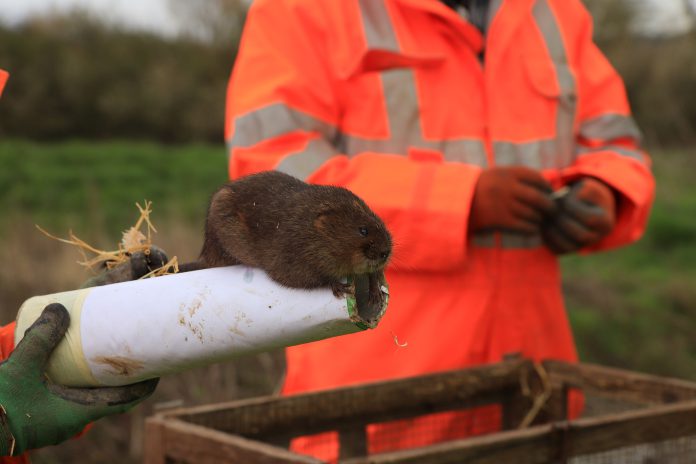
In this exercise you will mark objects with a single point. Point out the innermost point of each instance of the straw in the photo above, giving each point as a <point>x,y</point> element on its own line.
<point>133,240</point>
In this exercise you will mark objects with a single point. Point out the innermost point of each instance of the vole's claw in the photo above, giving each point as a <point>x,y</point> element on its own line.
<point>375,296</point>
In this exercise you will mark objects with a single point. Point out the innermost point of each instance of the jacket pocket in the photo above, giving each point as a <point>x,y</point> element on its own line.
<point>377,60</point>
<point>552,80</point>
<point>553,85</point>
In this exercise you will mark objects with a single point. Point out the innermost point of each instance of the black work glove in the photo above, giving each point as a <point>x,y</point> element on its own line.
<point>586,214</point>
<point>139,264</point>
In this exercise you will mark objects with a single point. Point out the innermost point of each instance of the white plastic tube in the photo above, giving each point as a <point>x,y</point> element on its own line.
<point>131,331</point>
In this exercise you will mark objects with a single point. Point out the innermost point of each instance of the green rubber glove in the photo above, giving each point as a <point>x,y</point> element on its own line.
<point>37,413</point>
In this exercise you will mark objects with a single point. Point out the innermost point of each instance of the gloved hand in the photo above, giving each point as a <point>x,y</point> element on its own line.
<point>586,214</point>
<point>36,413</point>
<point>139,264</point>
<point>514,198</point>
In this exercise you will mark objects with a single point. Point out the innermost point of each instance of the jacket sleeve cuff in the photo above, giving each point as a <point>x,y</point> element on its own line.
<point>448,199</point>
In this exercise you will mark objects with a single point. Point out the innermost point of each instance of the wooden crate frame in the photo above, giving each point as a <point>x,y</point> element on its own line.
<point>531,395</point>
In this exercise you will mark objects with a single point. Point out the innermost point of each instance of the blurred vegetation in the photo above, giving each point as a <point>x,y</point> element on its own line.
<point>217,22</point>
<point>659,70</point>
<point>94,185</point>
<point>634,307</point>
<point>73,76</point>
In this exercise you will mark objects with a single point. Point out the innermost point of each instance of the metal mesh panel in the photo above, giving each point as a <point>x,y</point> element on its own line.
<point>433,428</point>
<point>446,426</point>
<point>323,446</point>
<point>596,405</point>
<point>678,451</point>
<point>531,395</point>
<point>407,433</point>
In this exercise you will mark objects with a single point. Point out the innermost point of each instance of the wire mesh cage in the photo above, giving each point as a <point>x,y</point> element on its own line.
<point>516,411</point>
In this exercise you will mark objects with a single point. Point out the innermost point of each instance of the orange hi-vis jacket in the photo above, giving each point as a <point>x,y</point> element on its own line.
<point>4,75</point>
<point>391,99</point>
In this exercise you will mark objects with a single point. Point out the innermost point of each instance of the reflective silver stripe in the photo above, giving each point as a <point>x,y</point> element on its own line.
<point>303,164</point>
<point>279,119</point>
<point>273,121</point>
<point>351,145</point>
<point>508,240</point>
<point>623,151</point>
<point>399,88</point>
<point>377,23</point>
<point>512,240</point>
<point>539,154</point>
<point>553,39</point>
<point>608,127</point>
<point>468,151</point>
<point>484,240</point>
<point>565,112</point>
<point>493,8</point>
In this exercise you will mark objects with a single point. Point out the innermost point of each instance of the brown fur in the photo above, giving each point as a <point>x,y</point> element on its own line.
<point>302,235</point>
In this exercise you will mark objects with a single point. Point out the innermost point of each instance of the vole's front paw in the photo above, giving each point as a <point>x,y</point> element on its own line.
<point>341,289</point>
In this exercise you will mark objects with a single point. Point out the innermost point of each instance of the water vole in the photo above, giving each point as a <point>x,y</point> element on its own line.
<point>302,235</point>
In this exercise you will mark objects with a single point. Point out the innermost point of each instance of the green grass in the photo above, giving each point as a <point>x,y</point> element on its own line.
<point>635,307</point>
<point>94,185</point>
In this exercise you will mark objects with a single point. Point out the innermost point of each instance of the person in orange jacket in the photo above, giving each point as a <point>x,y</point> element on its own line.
<point>455,121</point>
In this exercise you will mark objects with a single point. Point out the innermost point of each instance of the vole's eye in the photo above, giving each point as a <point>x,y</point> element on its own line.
<point>363,231</point>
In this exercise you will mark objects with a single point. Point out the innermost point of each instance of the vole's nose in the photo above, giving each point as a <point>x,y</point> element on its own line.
<point>377,253</point>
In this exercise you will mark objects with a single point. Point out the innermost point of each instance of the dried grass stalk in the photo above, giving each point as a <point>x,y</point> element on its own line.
<point>133,240</point>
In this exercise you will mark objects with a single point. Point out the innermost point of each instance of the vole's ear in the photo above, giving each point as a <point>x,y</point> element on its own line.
<point>320,222</point>
<point>321,219</point>
<point>324,209</point>
<point>221,198</point>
